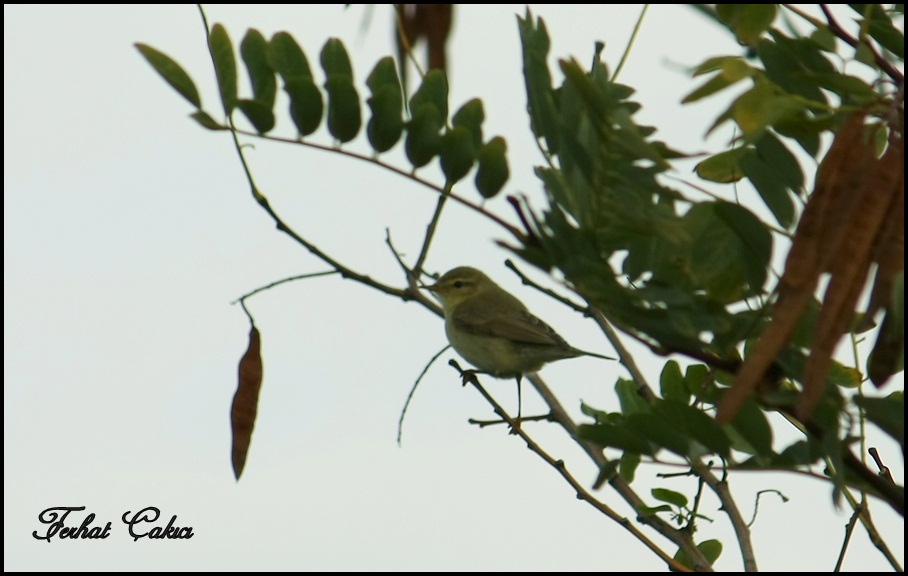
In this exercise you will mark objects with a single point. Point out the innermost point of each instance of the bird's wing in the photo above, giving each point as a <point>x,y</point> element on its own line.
<point>520,327</point>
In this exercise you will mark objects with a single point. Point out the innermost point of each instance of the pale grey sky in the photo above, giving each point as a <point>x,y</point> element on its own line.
<point>129,230</point>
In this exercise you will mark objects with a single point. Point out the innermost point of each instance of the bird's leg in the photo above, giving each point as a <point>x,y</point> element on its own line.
<point>519,406</point>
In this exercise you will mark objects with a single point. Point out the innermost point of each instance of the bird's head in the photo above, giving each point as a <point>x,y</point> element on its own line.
<point>460,284</point>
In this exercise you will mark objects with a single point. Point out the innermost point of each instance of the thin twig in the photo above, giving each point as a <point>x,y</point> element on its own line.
<point>284,281</point>
<point>539,418</point>
<point>722,491</point>
<point>412,277</point>
<point>691,524</point>
<point>834,27</point>
<point>430,229</point>
<point>718,487</point>
<point>630,43</point>
<point>344,271</point>
<point>560,415</point>
<point>400,421</point>
<point>849,530</point>
<point>624,356</point>
<point>883,469</point>
<point>582,493</point>
<point>399,171</point>
<point>405,42</point>
<point>757,498</point>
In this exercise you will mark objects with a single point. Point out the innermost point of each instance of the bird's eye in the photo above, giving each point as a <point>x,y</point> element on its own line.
<point>458,284</point>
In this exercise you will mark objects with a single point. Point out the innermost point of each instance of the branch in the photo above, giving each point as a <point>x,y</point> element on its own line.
<point>720,488</point>
<point>430,230</point>
<point>399,171</point>
<point>582,493</point>
<point>681,538</point>
<point>730,507</point>
<point>282,281</point>
<point>400,421</point>
<point>883,64</point>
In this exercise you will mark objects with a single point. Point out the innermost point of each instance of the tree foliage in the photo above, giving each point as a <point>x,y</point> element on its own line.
<point>682,273</point>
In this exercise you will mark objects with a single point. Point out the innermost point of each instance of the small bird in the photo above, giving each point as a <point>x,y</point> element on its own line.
<point>494,331</point>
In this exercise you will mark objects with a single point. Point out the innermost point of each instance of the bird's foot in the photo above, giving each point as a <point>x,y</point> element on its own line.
<point>469,377</point>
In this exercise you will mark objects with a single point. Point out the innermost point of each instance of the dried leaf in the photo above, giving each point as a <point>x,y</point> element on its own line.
<point>888,252</point>
<point>888,353</point>
<point>823,224</point>
<point>245,401</point>
<point>817,240</point>
<point>429,21</point>
<point>850,268</point>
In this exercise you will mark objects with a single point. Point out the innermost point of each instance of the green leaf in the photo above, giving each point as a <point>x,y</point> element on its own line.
<point>254,50</point>
<point>224,65</point>
<point>433,91</point>
<point>423,140</point>
<point>609,435</point>
<point>457,153</point>
<point>695,379</point>
<point>753,427</point>
<point>824,38</point>
<point>747,21</point>
<point>694,424</point>
<point>864,55</point>
<point>172,73</point>
<point>882,30</point>
<point>888,413</point>
<point>386,125</point>
<point>344,113</point>
<point>791,62</point>
<point>803,333</point>
<point>206,120</point>
<point>754,242</point>
<point>724,167</point>
<point>493,170</point>
<point>732,71</point>
<point>759,108</point>
<point>853,90</point>
<point>606,472</point>
<point>628,465</point>
<point>801,453</point>
<point>384,74</point>
<point>712,65</point>
<point>334,59</point>
<point>711,550</point>
<point>629,397</point>
<point>654,428</point>
<point>671,383</point>
<point>540,97</point>
<point>670,496</point>
<point>844,376</point>
<point>286,56</point>
<point>306,104</point>
<point>598,415</point>
<point>715,254</point>
<point>776,175</point>
<point>772,151</point>
<point>471,117</point>
<point>258,114</point>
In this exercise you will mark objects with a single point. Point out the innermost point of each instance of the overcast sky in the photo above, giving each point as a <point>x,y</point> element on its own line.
<point>129,230</point>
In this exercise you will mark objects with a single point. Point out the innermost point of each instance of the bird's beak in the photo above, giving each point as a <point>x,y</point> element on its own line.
<point>430,288</point>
